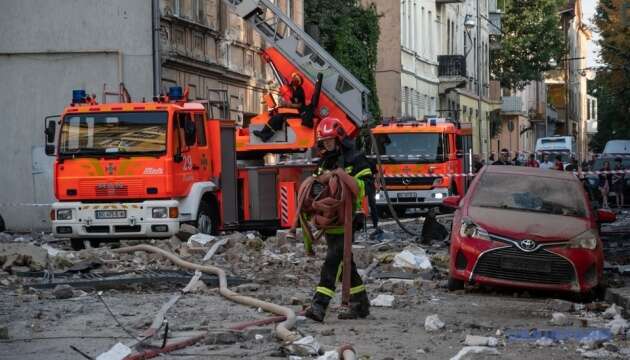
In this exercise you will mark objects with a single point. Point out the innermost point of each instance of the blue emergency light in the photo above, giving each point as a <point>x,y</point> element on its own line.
<point>175,93</point>
<point>78,96</point>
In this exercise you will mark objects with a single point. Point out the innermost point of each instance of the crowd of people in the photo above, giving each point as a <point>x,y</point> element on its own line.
<point>608,182</point>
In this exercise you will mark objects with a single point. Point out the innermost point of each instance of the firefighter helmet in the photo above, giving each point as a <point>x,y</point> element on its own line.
<point>296,76</point>
<point>330,127</point>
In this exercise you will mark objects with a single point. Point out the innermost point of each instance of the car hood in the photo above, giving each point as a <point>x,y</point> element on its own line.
<point>520,225</point>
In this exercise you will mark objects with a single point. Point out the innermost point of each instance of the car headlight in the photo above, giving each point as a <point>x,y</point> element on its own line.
<point>438,196</point>
<point>470,229</point>
<point>64,214</point>
<point>586,240</point>
<point>159,213</point>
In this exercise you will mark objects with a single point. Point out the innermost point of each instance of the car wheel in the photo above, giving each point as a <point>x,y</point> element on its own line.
<point>207,221</point>
<point>455,284</point>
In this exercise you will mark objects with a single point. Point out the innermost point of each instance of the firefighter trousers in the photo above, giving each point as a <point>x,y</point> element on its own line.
<point>332,273</point>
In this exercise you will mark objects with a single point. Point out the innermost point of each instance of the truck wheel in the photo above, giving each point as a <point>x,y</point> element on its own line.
<point>77,244</point>
<point>455,284</point>
<point>2,226</point>
<point>207,220</point>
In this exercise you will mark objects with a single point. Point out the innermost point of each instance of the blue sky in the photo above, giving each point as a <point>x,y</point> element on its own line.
<point>588,10</point>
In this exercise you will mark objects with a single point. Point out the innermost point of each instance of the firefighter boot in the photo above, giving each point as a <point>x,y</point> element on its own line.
<point>317,310</point>
<point>265,134</point>
<point>359,307</point>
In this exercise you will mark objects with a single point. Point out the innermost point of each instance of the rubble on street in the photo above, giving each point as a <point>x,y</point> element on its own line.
<point>417,316</point>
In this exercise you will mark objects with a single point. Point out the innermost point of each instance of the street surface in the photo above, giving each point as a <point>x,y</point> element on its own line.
<point>43,324</point>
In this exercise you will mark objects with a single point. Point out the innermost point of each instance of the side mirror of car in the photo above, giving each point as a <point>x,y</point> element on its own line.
<point>452,201</point>
<point>605,216</point>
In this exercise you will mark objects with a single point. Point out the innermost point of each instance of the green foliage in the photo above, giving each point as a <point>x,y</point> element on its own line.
<point>612,83</point>
<point>349,32</point>
<point>531,37</point>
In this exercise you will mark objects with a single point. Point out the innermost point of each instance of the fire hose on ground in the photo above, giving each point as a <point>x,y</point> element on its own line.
<point>282,329</point>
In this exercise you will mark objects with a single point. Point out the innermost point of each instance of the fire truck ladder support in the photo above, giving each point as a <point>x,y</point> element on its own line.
<point>281,33</point>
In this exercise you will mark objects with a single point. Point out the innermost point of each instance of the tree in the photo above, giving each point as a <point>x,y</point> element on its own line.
<point>349,32</point>
<point>531,38</point>
<point>612,83</point>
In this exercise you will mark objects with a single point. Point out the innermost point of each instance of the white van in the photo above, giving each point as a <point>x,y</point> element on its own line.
<point>617,147</point>
<point>556,145</point>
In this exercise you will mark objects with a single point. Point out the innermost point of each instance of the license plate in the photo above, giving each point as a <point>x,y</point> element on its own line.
<point>111,214</point>
<point>514,263</point>
<point>406,195</point>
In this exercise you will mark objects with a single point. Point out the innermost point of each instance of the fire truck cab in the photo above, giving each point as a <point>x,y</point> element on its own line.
<point>139,169</point>
<point>418,159</point>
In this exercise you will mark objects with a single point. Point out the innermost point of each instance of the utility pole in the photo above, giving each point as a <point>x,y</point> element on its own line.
<point>484,149</point>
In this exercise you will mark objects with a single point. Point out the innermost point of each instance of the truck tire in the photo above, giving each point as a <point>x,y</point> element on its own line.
<point>2,225</point>
<point>207,218</point>
<point>77,244</point>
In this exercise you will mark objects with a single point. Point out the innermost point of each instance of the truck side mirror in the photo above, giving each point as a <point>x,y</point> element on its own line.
<point>50,132</point>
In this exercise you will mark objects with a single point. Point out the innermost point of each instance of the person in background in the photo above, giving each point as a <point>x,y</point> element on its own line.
<point>617,183</point>
<point>516,161</point>
<point>476,163</point>
<point>546,164</point>
<point>297,102</point>
<point>532,162</point>
<point>558,165</point>
<point>504,158</point>
<point>604,184</point>
<point>371,188</point>
<point>574,165</point>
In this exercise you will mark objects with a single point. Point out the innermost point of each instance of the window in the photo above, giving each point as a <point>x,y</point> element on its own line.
<point>414,24</point>
<point>200,129</point>
<point>403,23</point>
<point>423,49</point>
<point>448,36</point>
<point>430,33</point>
<point>177,7</point>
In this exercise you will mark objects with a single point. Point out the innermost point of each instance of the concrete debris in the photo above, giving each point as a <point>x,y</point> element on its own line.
<point>383,300</point>
<point>596,354</point>
<point>560,319</point>
<point>329,355</point>
<point>219,337</point>
<point>414,258</point>
<point>618,325</point>
<point>305,346</point>
<point>544,342</point>
<point>200,239</point>
<point>117,352</point>
<point>612,312</point>
<point>433,323</point>
<point>63,292</point>
<point>186,231</point>
<point>475,340</point>
<point>258,337</point>
<point>12,254</point>
<point>563,306</point>
<point>475,352</point>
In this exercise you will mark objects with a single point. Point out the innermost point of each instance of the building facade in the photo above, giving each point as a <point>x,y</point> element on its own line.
<point>44,54</point>
<point>406,71</point>
<point>215,53</point>
<point>567,85</point>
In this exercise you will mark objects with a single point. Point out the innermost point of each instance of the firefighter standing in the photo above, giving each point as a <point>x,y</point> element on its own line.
<point>339,152</point>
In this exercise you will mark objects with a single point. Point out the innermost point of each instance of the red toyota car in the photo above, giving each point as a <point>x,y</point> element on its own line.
<point>526,228</point>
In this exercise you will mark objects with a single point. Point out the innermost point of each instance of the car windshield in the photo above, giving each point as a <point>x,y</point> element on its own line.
<point>113,133</point>
<point>530,193</point>
<point>551,155</point>
<point>427,147</point>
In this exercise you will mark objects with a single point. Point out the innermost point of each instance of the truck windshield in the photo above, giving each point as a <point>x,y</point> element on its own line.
<point>114,133</point>
<point>416,147</point>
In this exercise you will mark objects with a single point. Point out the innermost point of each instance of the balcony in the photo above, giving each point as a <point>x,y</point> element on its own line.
<point>451,72</point>
<point>512,105</point>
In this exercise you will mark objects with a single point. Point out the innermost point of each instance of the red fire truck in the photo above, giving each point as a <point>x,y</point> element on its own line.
<point>136,169</point>
<point>417,157</point>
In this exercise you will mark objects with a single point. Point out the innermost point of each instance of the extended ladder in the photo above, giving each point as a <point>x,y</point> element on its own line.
<point>281,33</point>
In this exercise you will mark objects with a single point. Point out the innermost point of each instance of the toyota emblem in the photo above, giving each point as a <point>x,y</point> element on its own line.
<point>528,245</point>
